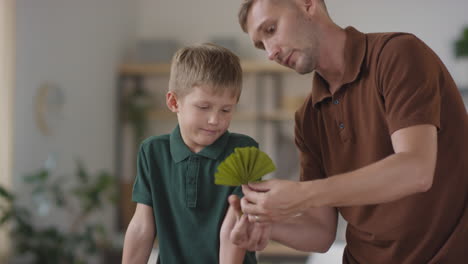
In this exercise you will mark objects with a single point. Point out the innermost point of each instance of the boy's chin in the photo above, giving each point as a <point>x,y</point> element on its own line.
<point>206,141</point>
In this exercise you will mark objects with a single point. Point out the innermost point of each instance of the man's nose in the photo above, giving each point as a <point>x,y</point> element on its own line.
<point>273,52</point>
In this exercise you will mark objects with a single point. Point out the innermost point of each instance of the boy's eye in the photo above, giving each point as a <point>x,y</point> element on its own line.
<point>203,107</point>
<point>226,110</point>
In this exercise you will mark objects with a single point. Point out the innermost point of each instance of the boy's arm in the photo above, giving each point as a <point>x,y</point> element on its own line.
<point>228,252</point>
<point>139,237</point>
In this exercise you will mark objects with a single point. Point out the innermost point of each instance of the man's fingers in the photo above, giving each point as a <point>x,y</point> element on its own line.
<point>249,208</point>
<point>264,239</point>
<point>254,238</point>
<point>249,194</point>
<point>263,186</point>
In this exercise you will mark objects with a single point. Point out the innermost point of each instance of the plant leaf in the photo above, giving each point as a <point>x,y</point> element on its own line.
<point>244,165</point>
<point>6,194</point>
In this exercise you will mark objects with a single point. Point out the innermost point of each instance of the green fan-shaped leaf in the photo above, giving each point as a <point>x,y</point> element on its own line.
<point>244,165</point>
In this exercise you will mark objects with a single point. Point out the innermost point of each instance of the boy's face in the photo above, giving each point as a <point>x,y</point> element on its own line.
<point>203,116</point>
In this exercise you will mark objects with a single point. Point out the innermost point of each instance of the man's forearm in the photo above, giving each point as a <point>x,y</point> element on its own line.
<point>392,178</point>
<point>313,231</point>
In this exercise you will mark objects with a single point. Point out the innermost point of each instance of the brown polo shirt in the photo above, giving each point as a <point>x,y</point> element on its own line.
<point>391,81</point>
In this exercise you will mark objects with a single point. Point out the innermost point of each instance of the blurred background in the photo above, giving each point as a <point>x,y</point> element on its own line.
<point>83,82</point>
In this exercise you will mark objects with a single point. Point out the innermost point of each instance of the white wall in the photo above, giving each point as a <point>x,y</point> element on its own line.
<point>191,21</point>
<point>76,45</point>
<point>438,23</point>
<point>6,106</point>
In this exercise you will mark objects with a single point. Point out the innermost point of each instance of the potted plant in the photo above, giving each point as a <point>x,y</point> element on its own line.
<point>47,243</point>
<point>461,53</point>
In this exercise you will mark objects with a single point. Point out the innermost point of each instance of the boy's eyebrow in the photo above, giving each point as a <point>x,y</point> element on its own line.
<point>209,102</point>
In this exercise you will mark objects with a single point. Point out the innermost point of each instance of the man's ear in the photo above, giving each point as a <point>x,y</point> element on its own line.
<point>308,4</point>
<point>172,102</point>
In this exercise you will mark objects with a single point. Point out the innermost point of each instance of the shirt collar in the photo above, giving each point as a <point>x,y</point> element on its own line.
<point>180,151</point>
<point>354,53</point>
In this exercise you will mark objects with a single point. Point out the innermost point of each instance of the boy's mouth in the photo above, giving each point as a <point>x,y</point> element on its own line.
<point>209,131</point>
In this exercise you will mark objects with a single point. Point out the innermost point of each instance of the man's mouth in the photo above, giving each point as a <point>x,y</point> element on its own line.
<point>287,60</point>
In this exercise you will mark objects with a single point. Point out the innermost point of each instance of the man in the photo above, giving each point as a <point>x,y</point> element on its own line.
<point>382,140</point>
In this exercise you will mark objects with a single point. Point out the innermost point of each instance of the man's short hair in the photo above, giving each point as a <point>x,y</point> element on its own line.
<point>205,64</point>
<point>243,13</point>
<point>245,9</point>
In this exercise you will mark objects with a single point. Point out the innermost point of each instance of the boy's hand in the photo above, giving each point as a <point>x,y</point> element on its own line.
<point>247,235</point>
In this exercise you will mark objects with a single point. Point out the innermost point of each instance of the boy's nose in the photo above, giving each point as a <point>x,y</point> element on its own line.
<point>213,119</point>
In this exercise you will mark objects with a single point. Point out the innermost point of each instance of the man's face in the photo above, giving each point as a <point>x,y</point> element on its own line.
<point>284,29</point>
<point>203,116</point>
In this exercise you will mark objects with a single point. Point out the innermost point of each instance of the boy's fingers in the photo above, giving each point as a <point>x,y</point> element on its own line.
<point>234,202</point>
<point>239,234</point>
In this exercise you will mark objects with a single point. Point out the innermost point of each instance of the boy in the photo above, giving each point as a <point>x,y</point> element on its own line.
<point>174,187</point>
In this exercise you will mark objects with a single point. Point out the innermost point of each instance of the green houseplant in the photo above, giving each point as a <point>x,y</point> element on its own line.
<point>49,243</point>
<point>461,53</point>
<point>461,44</point>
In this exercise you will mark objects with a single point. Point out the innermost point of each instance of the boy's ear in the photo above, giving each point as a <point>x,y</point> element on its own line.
<point>172,102</point>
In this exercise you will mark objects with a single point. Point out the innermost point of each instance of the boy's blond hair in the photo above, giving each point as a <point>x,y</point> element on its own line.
<point>205,64</point>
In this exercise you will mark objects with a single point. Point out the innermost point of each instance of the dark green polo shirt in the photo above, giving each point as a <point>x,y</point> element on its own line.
<point>188,207</point>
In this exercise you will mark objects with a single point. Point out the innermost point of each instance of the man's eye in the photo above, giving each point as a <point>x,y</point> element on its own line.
<point>270,29</point>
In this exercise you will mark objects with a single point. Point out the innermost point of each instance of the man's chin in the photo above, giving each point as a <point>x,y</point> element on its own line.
<point>304,71</point>
<point>304,68</point>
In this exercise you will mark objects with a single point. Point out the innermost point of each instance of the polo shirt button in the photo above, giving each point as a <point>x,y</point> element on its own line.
<point>341,125</point>
<point>336,101</point>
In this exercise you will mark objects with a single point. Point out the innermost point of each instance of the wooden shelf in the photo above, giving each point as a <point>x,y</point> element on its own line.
<point>165,68</point>
<point>164,115</point>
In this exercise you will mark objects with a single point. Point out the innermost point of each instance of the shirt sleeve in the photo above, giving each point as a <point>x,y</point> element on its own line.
<point>409,79</point>
<point>306,140</point>
<point>141,188</point>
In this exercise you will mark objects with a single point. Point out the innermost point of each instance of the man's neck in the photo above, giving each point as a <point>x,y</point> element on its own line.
<point>331,63</point>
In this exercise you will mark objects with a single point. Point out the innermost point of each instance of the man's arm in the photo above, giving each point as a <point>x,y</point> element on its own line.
<point>312,231</point>
<point>410,170</point>
<point>139,237</point>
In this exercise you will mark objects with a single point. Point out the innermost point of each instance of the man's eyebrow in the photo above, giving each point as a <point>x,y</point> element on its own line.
<point>259,28</point>
<point>259,45</point>
<point>257,31</point>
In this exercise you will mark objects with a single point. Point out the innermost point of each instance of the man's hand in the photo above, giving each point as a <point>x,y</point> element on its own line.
<point>247,235</point>
<point>273,200</point>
